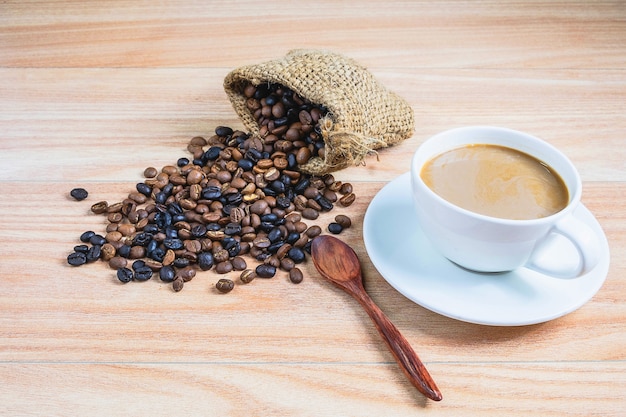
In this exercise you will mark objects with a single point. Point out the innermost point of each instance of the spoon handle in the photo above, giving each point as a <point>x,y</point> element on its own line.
<point>402,351</point>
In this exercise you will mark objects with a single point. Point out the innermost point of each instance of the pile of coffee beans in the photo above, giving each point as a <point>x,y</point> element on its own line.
<point>237,196</point>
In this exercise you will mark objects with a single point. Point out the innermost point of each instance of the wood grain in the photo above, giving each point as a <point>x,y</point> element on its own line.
<point>94,92</point>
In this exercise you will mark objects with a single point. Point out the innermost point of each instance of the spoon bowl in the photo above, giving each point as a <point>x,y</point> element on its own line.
<point>338,263</point>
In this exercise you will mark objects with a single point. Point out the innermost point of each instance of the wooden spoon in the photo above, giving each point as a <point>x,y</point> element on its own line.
<point>338,263</point>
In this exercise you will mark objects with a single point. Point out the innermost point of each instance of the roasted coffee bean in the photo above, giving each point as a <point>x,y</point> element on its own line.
<point>143,273</point>
<point>335,228</point>
<point>343,220</point>
<point>178,284</point>
<point>310,214</point>
<point>239,264</point>
<point>347,199</point>
<point>287,264</point>
<point>296,254</point>
<point>167,274</point>
<point>117,262</point>
<point>77,258</point>
<point>205,260</point>
<point>265,271</point>
<point>296,276</point>
<point>79,194</point>
<point>86,236</point>
<point>81,248</point>
<point>100,207</point>
<point>225,285</point>
<point>93,253</point>
<point>150,172</point>
<point>247,276</point>
<point>186,274</point>
<point>125,275</point>
<point>313,231</point>
<point>97,239</point>
<point>224,267</point>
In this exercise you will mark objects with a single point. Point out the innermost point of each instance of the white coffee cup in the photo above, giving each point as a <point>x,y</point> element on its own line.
<point>488,244</point>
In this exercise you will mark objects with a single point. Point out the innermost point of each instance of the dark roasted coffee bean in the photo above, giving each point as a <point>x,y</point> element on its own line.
<point>77,258</point>
<point>97,240</point>
<point>245,164</point>
<point>143,273</point>
<point>223,131</point>
<point>124,275</point>
<point>265,271</point>
<point>94,253</point>
<point>180,262</point>
<point>81,248</point>
<point>335,228</point>
<point>296,254</point>
<point>138,264</point>
<point>167,274</point>
<point>275,234</point>
<point>211,193</point>
<point>225,285</point>
<point>232,229</point>
<point>86,236</point>
<point>124,251</point>
<point>296,276</point>
<point>173,243</point>
<point>324,203</point>
<point>205,260</point>
<point>79,194</point>
<point>144,189</point>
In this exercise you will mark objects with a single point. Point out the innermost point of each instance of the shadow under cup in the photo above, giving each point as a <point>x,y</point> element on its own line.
<point>475,241</point>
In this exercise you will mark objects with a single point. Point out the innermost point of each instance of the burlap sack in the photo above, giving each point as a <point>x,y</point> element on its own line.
<point>362,114</point>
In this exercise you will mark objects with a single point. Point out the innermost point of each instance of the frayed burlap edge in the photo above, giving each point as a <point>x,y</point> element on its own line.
<point>362,114</point>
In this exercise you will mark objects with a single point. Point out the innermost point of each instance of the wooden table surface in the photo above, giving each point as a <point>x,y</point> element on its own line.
<point>93,92</point>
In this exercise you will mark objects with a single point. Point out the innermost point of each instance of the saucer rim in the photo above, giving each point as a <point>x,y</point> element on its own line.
<point>597,275</point>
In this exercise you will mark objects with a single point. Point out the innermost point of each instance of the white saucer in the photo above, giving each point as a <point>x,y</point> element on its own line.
<point>405,259</point>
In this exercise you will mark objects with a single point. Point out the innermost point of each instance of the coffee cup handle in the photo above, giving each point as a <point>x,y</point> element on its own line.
<point>585,241</point>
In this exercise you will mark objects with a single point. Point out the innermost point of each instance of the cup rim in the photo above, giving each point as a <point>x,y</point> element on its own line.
<point>416,168</point>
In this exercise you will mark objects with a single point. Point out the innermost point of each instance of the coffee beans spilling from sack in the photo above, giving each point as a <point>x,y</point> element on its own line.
<point>237,196</point>
<point>361,115</point>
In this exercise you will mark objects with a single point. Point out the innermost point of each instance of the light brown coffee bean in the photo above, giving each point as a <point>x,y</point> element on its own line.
<point>247,276</point>
<point>118,262</point>
<point>239,264</point>
<point>223,267</point>
<point>310,214</point>
<point>178,284</point>
<point>296,276</point>
<point>343,220</point>
<point>150,172</point>
<point>107,252</point>
<point>347,199</point>
<point>100,207</point>
<point>225,285</point>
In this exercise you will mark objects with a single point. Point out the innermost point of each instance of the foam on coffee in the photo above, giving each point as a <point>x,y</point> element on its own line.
<point>496,181</point>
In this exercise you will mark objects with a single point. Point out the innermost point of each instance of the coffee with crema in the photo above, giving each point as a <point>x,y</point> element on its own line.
<point>496,181</point>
